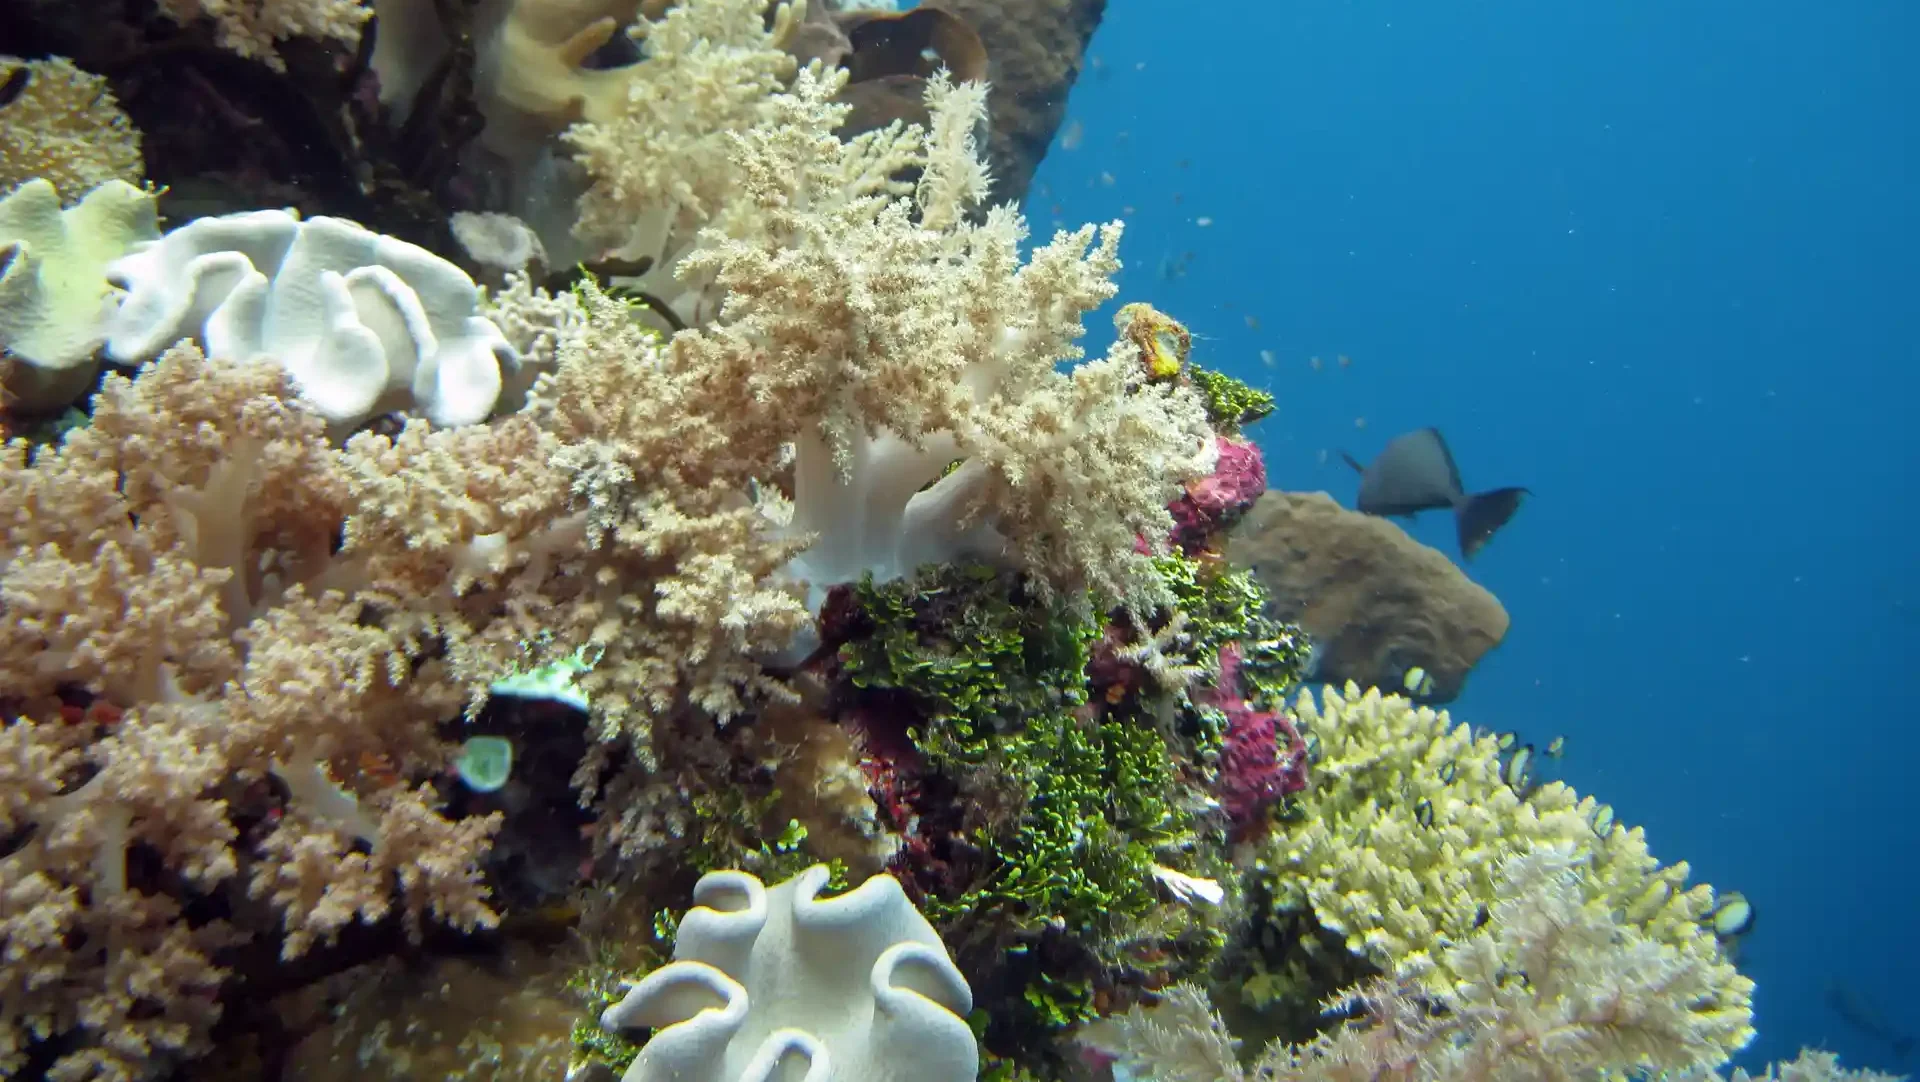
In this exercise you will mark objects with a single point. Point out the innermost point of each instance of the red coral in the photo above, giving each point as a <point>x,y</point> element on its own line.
<point>1215,501</point>
<point>1254,771</point>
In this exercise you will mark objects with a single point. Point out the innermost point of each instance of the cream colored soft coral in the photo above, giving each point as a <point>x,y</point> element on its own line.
<point>156,564</point>
<point>886,333</point>
<point>655,145</point>
<point>253,28</point>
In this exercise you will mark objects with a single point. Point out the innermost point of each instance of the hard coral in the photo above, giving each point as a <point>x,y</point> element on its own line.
<point>1407,822</point>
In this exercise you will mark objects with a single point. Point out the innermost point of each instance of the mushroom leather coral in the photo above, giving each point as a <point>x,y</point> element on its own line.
<point>857,986</point>
<point>362,322</point>
<point>54,297</point>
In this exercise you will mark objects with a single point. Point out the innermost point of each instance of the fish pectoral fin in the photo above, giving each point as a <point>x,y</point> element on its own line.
<point>1483,513</point>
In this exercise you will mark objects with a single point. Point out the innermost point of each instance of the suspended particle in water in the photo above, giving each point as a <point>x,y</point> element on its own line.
<point>1266,357</point>
<point>1315,362</point>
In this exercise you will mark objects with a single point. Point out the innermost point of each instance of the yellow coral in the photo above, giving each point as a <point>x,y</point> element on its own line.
<point>54,294</point>
<point>66,128</point>
<point>1406,822</point>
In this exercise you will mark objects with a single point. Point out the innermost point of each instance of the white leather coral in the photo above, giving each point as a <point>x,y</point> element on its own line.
<point>364,323</point>
<point>773,983</point>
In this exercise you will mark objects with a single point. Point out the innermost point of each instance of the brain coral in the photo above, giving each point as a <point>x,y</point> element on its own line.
<point>778,982</point>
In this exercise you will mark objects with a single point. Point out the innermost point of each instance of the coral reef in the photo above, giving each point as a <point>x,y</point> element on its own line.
<point>791,539</point>
<point>164,658</point>
<point>1377,603</point>
<point>1262,757</point>
<point>1215,502</point>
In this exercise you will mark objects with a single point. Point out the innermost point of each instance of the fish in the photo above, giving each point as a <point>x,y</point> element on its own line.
<point>1423,813</point>
<point>1518,771</point>
<point>1732,916</point>
<point>14,84</point>
<point>1415,472</point>
<point>1417,683</point>
<point>1602,820</point>
<point>1556,747</point>
<point>1854,1009</point>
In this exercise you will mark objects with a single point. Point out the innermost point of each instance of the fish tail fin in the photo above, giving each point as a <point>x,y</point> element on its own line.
<point>1351,461</point>
<point>1479,516</point>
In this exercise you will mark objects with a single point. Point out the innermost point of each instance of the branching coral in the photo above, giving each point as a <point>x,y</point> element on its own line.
<point>1554,987</point>
<point>188,565</point>
<point>1406,822</point>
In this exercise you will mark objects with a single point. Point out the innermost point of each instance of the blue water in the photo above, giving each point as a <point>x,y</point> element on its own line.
<point>1658,263</point>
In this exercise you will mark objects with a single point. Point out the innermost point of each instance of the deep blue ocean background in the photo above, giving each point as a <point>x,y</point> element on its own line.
<point>1656,262</point>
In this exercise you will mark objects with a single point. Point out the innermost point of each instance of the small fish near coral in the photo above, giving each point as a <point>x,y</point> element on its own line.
<point>1415,472</point>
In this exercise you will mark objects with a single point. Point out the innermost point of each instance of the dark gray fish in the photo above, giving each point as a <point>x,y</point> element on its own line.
<point>1415,472</point>
<point>15,84</point>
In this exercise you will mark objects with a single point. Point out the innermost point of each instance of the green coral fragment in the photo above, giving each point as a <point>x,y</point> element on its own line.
<point>972,651</point>
<point>1228,605</point>
<point>553,681</point>
<point>1000,677</point>
<point>1231,405</point>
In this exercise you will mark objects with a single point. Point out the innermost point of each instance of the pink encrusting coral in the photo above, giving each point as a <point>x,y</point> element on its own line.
<point>1212,503</point>
<point>1255,770</point>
